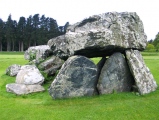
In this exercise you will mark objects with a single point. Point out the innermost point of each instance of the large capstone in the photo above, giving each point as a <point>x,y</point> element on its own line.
<point>37,52</point>
<point>101,35</point>
<point>51,65</point>
<point>115,75</point>
<point>77,77</point>
<point>20,89</point>
<point>13,70</point>
<point>29,75</point>
<point>144,80</point>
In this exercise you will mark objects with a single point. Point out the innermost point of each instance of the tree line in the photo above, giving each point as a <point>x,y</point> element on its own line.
<point>153,45</point>
<point>32,31</point>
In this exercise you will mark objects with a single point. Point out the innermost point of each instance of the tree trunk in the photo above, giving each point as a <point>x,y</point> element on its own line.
<point>22,46</point>
<point>0,46</point>
<point>8,45</point>
<point>13,46</point>
<point>19,46</point>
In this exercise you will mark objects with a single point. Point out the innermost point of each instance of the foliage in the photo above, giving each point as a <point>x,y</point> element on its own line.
<point>157,47</point>
<point>31,31</point>
<point>156,40</point>
<point>117,106</point>
<point>149,47</point>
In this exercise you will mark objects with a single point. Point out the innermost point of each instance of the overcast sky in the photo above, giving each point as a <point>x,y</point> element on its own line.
<point>75,10</point>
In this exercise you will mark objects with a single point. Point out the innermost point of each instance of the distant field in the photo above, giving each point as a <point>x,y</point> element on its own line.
<point>40,106</point>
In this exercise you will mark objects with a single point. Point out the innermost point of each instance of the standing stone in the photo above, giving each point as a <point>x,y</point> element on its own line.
<point>29,75</point>
<point>115,75</point>
<point>51,65</point>
<point>101,35</point>
<point>13,70</point>
<point>143,78</point>
<point>21,89</point>
<point>77,77</point>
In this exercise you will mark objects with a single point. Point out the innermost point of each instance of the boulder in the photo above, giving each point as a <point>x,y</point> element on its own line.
<point>29,75</point>
<point>115,75</point>
<point>59,47</point>
<point>77,77</point>
<point>144,80</point>
<point>51,65</point>
<point>101,35</point>
<point>37,52</point>
<point>20,89</point>
<point>13,70</point>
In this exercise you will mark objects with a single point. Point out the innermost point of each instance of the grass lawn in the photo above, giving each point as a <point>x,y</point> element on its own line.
<point>40,106</point>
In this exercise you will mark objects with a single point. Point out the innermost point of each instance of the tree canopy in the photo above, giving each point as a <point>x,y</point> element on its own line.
<point>31,31</point>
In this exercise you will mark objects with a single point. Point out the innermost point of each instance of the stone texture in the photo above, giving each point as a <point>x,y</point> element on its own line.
<point>101,35</point>
<point>37,52</point>
<point>51,65</point>
<point>59,47</point>
<point>115,75</point>
<point>77,77</point>
<point>13,70</point>
<point>29,75</point>
<point>21,89</point>
<point>143,78</point>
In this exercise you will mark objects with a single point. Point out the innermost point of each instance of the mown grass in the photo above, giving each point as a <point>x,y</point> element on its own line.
<point>40,106</point>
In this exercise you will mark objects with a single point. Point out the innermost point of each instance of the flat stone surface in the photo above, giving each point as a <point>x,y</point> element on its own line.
<point>77,77</point>
<point>144,80</point>
<point>21,89</point>
<point>101,35</point>
<point>115,75</point>
<point>29,75</point>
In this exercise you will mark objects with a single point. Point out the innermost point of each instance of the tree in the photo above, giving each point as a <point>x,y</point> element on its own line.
<point>28,31</point>
<point>156,40</point>
<point>9,32</point>
<point>1,34</point>
<point>157,47</point>
<point>149,46</point>
<point>53,29</point>
<point>36,24</point>
<point>14,39</point>
<point>21,33</point>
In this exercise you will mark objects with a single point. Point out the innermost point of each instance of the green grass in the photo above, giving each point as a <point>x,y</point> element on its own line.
<point>40,106</point>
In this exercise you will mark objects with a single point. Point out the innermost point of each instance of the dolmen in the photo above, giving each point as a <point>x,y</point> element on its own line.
<point>117,38</point>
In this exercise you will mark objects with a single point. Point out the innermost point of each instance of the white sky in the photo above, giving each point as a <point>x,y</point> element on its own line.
<point>76,10</point>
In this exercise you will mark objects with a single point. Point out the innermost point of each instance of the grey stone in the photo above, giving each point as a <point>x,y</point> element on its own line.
<point>51,65</point>
<point>115,75</point>
<point>13,70</point>
<point>59,47</point>
<point>144,80</point>
<point>77,77</point>
<point>37,52</point>
<point>101,35</point>
<point>29,75</point>
<point>21,89</point>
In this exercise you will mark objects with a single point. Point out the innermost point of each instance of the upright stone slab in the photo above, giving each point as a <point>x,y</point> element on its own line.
<point>115,75</point>
<point>101,35</point>
<point>143,78</point>
<point>77,77</point>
